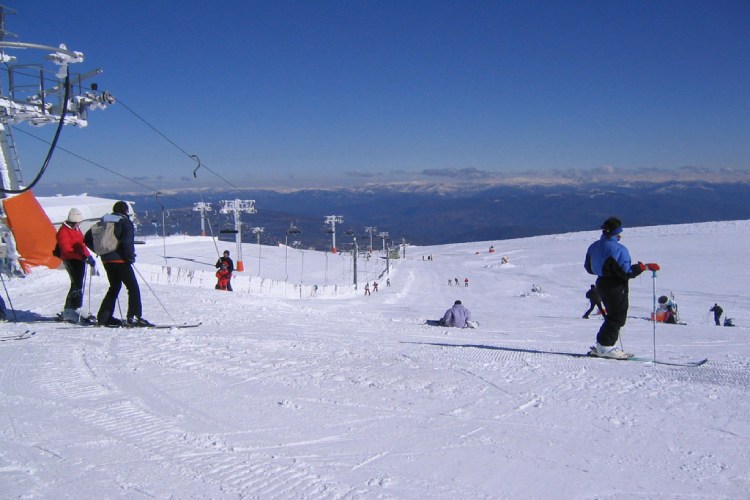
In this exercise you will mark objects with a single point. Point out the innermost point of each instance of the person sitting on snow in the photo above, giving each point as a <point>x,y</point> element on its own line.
<point>458,316</point>
<point>666,311</point>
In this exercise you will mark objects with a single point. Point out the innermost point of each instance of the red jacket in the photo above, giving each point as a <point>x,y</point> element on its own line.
<point>70,241</point>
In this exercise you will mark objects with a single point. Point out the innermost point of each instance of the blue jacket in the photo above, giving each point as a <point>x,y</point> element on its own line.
<point>609,259</point>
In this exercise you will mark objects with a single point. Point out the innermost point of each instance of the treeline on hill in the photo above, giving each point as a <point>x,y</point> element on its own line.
<point>428,218</point>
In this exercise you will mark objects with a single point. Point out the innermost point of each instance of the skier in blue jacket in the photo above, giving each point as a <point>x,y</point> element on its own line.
<point>610,261</point>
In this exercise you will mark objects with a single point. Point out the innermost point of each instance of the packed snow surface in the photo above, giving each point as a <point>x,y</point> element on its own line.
<point>296,386</point>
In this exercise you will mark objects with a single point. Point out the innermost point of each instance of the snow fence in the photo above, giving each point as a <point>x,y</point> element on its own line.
<point>252,285</point>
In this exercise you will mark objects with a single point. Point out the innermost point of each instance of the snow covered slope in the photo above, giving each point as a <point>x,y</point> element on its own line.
<point>339,395</point>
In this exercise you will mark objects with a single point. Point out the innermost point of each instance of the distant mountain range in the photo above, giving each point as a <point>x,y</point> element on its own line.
<point>427,214</point>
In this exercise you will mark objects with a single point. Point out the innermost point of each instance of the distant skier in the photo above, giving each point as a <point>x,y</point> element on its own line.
<point>458,316</point>
<point>718,311</point>
<point>374,286</point>
<point>367,288</point>
<point>456,279</point>
<point>596,301</point>
<point>388,282</point>
<point>225,268</point>
<point>610,260</point>
<point>466,281</point>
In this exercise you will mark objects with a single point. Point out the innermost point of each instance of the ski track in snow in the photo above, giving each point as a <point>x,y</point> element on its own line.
<point>355,397</point>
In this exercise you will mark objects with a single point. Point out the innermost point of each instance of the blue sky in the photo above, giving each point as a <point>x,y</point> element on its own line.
<point>313,93</point>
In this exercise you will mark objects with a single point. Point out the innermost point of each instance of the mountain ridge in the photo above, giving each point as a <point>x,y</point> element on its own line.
<point>428,216</point>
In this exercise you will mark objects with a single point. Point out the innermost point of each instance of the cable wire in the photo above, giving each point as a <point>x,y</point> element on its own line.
<point>53,144</point>
<point>177,146</point>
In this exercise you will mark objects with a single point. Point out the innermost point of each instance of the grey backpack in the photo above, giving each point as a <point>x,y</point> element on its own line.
<point>103,237</point>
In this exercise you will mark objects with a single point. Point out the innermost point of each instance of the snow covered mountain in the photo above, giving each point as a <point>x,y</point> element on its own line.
<point>298,386</point>
<point>430,214</point>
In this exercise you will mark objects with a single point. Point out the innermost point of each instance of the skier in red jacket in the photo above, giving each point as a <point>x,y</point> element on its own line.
<point>75,256</point>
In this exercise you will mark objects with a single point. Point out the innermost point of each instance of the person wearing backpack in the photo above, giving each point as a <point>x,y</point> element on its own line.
<point>118,264</point>
<point>74,254</point>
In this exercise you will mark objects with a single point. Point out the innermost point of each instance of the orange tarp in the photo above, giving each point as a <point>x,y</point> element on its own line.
<point>32,230</point>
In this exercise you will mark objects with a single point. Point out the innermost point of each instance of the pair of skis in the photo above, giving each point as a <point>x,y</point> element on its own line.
<point>128,327</point>
<point>18,336</point>
<point>91,321</point>
<point>632,357</point>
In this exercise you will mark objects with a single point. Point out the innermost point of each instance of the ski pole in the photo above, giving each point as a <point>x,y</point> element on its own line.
<point>83,292</point>
<point>154,294</point>
<point>91,277</point>
<point>10,302</point>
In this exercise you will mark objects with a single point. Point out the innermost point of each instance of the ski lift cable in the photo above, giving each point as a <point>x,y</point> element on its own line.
<point>156,130</point>
<point>53,144</point>
<point>177,146</point>
<point>211,229</point>
<point>100,166</point>
<point>159,132</point>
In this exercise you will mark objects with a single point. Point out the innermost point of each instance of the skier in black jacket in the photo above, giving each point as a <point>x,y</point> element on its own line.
<point>118,265</point>
<point>718,311</point>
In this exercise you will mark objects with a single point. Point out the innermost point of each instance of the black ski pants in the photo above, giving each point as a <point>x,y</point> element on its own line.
<point>76,271</point>
<point>118,274</point>
<point>614,294</point>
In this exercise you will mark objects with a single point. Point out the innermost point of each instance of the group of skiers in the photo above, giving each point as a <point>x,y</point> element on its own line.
<point>73,248</point>
<point>718,311</point>
<point>225,268</point>
<point>606,258</point>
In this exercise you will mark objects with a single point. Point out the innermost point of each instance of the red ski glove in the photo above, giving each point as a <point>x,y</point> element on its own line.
<point>642,266</point>
<point>651,266</point>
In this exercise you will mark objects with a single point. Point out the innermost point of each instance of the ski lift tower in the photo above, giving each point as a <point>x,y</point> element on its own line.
<point>370,231</point>
<point>236,207</point>
<point>257,231</point>
<point>383,236</point>
<point>202,207</point>
<point>333,220</point>
<point>386,250</point>
<point>355,255</point>
<point>32,99</point>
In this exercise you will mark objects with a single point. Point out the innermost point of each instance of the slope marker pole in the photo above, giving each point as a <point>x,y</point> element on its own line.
<point>653,312</point>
